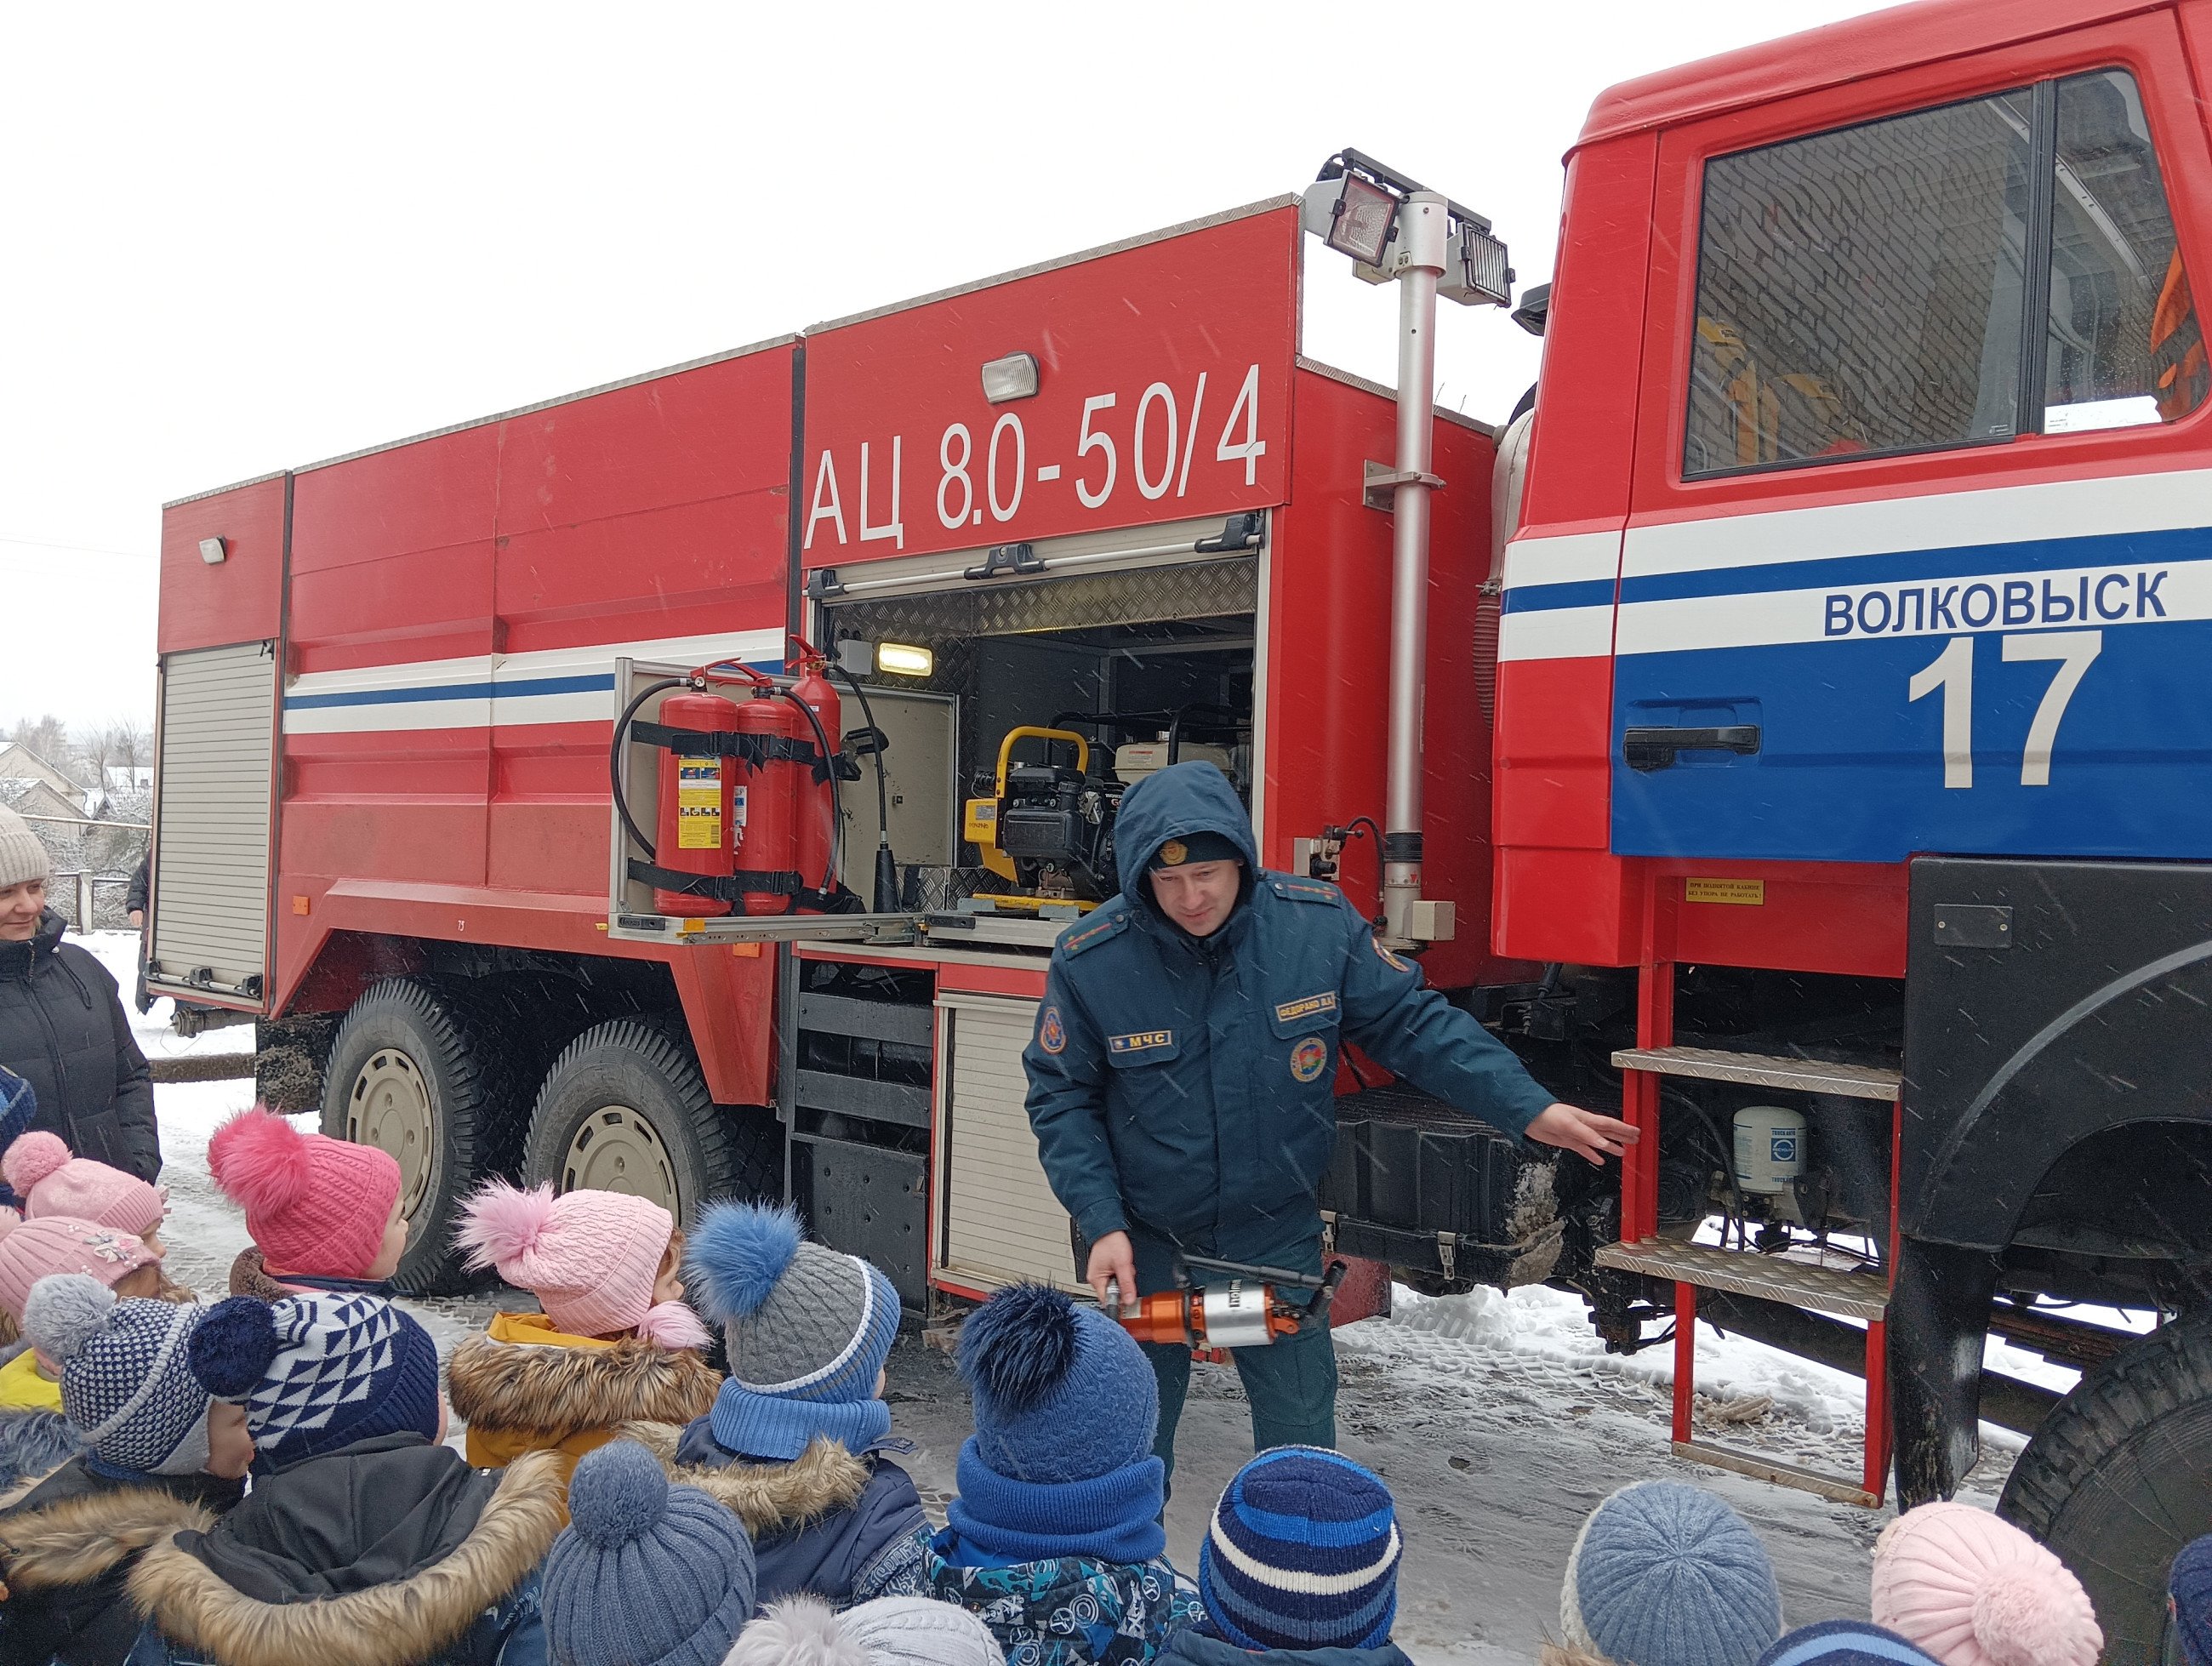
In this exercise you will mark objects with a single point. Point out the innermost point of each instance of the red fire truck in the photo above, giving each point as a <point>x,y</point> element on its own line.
<point>679,787</point>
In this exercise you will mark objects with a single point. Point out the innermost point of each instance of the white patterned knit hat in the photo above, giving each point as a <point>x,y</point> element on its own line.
<point>126,1384</point>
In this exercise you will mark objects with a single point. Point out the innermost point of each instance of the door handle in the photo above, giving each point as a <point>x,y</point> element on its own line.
<point>1644,750</point>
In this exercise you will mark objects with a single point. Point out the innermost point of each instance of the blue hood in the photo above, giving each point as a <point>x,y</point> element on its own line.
<point>1181,799</point>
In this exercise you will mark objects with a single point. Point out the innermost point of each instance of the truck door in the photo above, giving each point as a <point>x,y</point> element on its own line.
<point>1920,549</point>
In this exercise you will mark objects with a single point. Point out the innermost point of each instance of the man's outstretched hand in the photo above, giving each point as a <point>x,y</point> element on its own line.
<point>1112,1258</point>
<point>1588,1136</point>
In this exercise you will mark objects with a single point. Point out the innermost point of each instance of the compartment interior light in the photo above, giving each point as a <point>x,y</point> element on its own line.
<point>1013,377</point>
<point>904,660</point>
<point>212,551</point>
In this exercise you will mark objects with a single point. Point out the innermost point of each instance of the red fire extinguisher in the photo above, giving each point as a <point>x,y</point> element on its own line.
<point>767,800</point>
<point>699,819</point>
<point>817,797</point>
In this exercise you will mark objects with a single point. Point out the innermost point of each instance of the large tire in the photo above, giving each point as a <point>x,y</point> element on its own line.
<point>413,1070</point>
<point>2119,1478</point>
<point>625,1109</point>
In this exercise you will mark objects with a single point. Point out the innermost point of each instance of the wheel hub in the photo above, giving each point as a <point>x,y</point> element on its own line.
<point>390,1108</point>
<point>616,1150</point>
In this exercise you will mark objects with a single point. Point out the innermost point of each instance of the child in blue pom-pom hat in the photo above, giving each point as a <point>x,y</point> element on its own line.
<point>1054,1538</point>
<point>364,1539</point>
<point>799,1441</point>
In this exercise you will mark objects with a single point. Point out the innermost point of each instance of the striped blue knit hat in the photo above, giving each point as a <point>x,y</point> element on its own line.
<point>1844,1643</point>
<point>1302,1554</point>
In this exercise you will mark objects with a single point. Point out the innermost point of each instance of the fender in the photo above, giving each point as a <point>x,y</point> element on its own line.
<point>2045,1002</point>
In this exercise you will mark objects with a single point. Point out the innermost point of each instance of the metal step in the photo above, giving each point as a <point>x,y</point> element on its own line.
<point>1769,1278</point>
<point>1832,1488</point>
<point>1715,1064</point>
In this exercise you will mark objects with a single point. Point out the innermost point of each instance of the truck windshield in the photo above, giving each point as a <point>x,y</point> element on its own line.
<point>1863,291</point>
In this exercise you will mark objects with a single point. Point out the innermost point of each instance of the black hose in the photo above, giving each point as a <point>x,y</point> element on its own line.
<point>615,762</point>
<point>885,860</point>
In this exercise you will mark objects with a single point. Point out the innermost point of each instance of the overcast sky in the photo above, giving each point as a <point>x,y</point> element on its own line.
<point>235,239</point>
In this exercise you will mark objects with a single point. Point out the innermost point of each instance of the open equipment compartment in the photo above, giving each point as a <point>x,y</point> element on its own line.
<point>1147,653</point>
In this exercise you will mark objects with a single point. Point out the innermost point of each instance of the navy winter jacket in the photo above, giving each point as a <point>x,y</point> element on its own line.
<point>1186,1085</point>
<point>871,1549</point>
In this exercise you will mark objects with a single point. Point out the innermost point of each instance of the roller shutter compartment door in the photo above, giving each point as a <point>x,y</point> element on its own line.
<point>210,922</point>
<point>1002,1223</point>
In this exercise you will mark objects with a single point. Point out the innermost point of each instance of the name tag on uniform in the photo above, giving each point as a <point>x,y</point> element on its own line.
<point>1140,1041</point>
<point>1306,1006</point>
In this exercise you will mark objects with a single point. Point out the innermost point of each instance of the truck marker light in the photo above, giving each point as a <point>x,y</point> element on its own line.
<point>1013,377</point>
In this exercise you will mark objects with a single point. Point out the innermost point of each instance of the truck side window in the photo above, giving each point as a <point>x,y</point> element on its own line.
<point>2125,345</point>
<point>1865,291</point>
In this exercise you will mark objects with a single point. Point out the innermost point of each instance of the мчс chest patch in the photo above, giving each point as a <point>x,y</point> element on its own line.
<point>1307,1006</point>
<point>1140,1041</point>
<point>1308,1058</point>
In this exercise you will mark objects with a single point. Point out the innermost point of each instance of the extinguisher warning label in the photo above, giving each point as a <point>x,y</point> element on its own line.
<point>698,804</point>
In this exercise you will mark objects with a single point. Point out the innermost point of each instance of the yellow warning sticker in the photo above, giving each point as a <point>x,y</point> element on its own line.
<point>698,804</point>
<point>1744,893</point>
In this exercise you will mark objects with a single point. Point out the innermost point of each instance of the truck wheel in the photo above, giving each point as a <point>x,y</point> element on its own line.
<point>2119,1478</point>
<point>412,1071</point>
<point>625,1109</point>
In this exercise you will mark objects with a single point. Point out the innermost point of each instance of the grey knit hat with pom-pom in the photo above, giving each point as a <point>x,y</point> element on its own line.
<point>645,1574</point>
<point>126,1379</point>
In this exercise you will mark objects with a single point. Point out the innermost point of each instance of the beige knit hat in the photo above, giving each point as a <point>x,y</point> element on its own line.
<point>22,858</point>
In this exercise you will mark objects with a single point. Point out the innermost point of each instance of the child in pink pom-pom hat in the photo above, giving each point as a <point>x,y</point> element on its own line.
<point>51,1182</point>
<point>324,1214</point>
<point>34,1250</point>
<point>1974,1590</point>
<point>614,1344</point>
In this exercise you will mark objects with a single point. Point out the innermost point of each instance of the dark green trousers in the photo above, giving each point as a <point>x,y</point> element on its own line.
<point>1291,1385</point>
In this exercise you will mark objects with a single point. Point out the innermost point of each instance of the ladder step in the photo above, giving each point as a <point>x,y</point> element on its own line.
<point>1832,1488</point>
<point>1715,1064</point>
<point>1769,1278</point>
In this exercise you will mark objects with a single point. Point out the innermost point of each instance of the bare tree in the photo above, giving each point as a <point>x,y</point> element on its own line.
<point>121,743</point>
<point>47,736</point>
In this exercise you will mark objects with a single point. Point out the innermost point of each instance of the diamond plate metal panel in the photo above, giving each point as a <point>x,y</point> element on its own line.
<point>1144,595</point>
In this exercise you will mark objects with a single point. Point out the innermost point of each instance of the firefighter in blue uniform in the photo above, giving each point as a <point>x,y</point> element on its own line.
<point>1180,1075</point>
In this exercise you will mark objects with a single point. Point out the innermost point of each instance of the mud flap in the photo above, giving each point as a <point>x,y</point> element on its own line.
<point>1939,1310</point>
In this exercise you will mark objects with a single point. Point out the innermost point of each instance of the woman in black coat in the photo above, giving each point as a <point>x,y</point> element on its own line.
<point>62,1024</point>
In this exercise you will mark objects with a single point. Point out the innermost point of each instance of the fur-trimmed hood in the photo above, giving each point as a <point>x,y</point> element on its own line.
<point>768,1498</point>
<point>556,1390</point>
<point>75,1541</point>
<point>405,1620</point>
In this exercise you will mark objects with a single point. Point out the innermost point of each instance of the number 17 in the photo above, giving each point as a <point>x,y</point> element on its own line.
<point>1953,672</point>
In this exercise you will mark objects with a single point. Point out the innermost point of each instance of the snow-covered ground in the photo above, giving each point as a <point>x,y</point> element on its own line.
<point>1498,1420</point>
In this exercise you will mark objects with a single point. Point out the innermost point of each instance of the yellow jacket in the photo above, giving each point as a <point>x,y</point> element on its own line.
<point>525,1387</point>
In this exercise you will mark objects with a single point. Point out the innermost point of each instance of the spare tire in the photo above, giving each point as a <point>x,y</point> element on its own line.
<point>2119,1478</point>
<point>626,1108</point>
<point>414,1071</point>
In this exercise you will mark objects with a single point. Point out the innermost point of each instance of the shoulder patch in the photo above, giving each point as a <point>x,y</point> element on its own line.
<point>1097,931</point>
<point>1307,890</point>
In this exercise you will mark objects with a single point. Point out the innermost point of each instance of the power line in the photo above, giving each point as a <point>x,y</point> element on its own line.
<point>80,549</point>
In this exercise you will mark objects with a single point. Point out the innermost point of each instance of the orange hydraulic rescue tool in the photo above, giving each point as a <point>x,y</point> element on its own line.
<point>1244,1308</point>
